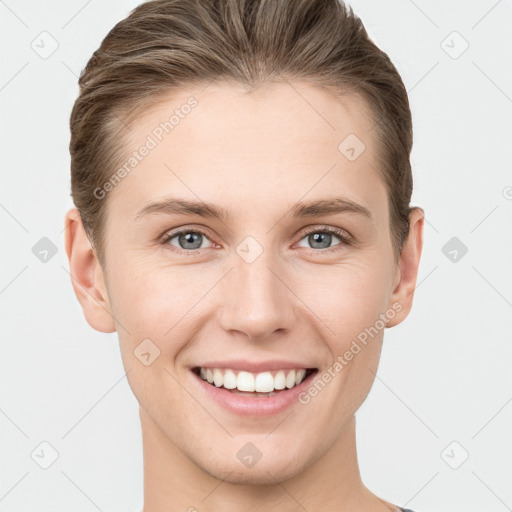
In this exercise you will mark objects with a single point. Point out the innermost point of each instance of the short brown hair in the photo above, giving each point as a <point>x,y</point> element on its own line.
<point>164,45</point>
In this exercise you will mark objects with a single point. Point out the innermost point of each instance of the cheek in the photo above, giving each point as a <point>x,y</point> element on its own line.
<point>347,297</point>
<point>159,303</point>
<point>353,307</point>
<point>151,297</point>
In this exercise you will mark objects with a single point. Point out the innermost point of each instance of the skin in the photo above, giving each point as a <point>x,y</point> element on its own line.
<point>256,155</point>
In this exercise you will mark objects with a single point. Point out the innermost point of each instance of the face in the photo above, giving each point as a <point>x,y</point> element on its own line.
<point>272,284</point>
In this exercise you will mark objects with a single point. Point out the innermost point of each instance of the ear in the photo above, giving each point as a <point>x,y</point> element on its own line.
<point>407,271</point>
<point>87,275</point>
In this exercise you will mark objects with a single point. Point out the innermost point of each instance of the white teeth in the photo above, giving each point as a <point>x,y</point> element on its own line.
<point>245,381</point>
<point>290,379</point>
<point>263,382</point>
<point>299,376</point>
<point>229,379</point>
<point>280,380</point>
<point>217,377</point>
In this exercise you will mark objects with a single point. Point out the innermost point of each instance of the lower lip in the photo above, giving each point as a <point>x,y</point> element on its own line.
<point>254,405</point>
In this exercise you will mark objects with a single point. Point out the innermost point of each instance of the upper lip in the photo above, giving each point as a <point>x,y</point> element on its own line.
<point>255,367</point>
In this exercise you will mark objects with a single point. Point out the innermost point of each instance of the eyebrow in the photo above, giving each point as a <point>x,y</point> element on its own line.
<point>329,207</point>
<point>300,210</point>
<point>182,206</point>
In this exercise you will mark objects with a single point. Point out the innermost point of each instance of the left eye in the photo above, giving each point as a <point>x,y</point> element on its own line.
<point>322,238</point>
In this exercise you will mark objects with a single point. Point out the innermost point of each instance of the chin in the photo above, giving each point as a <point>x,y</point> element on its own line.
<point>270,472</point>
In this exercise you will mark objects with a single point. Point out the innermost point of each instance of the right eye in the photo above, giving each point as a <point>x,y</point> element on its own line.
<point>186,239</point>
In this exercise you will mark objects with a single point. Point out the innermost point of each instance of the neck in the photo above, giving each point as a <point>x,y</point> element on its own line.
<point>172,482</point>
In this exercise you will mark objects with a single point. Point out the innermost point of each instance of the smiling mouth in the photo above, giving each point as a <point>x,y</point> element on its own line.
<point>267,383</point>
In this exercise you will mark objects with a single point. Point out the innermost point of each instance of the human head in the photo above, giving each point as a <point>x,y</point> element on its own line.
<point>278,86</point>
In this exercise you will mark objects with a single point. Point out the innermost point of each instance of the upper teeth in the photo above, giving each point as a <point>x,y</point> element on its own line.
<point>264,382</point>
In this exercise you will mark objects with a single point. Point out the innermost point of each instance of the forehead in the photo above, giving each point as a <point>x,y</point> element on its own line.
<point>283,112</point>
<point>284,140</point>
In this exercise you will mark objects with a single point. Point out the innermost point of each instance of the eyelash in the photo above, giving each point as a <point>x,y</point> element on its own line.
<point>345,238</point>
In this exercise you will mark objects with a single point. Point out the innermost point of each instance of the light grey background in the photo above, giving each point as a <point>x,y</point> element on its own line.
<point>444,386</point>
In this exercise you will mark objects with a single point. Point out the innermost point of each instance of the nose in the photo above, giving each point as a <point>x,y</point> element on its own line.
<point>256,300</point>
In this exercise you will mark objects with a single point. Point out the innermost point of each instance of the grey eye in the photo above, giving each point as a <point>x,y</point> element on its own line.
<point>188,240</point>
<point>321,239</point>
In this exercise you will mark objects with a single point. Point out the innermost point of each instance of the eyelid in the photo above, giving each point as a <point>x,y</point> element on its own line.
<point>327,227</point>
<point>171,233</point>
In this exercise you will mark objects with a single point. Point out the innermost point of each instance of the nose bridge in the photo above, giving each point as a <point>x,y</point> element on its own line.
<point>257,302</point>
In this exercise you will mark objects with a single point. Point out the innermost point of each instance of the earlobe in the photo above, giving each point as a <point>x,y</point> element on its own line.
<point>403,292</point>
<point>87,275</point>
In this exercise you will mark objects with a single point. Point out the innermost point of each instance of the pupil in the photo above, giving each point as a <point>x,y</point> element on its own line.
<point>190,238</point>
<point>319,237</point>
